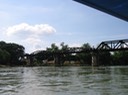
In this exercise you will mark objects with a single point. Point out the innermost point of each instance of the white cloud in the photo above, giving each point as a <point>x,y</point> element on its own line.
<point>32,44</point>
<point>32,41</point>
<point>30,36</point>
<point>26,28</point>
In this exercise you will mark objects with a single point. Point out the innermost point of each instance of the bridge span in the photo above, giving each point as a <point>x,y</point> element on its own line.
<point>104,46</point>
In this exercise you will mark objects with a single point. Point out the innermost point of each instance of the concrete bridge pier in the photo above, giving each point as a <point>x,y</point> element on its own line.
<point>58,60</point>
<point>95,59</point>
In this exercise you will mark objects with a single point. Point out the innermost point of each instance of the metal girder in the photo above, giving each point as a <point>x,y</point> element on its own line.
<point>113,45</point>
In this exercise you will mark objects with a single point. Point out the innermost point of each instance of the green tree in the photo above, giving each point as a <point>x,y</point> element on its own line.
<point>66,56</point>
<point>2,44</point>
<point>105,58</point>
<point>11,53</point>
<point>64,47</point>
<point>17,53</point>
<point>120,58</point>
<point>53,48</point>
<point>4,57</point>
<point>85,57</point>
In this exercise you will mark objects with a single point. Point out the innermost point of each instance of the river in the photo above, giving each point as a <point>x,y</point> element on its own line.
<point>64,80</point>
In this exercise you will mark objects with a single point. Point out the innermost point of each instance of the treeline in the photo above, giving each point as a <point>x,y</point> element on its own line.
<point>105,58</point>
<point>12,54</point>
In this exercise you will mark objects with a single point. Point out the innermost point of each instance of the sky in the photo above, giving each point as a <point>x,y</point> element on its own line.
<point>36,24</point>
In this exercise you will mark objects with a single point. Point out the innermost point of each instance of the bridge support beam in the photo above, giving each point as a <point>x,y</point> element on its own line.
<point>95,59</point>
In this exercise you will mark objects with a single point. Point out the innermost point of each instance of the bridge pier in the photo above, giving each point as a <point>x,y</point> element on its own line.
<point>95,59</point>
<point>58,60</point>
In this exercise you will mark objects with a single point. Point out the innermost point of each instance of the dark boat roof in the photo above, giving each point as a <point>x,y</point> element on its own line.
<point>117,8</point>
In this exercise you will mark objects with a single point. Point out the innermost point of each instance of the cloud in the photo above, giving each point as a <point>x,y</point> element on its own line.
<point>33,44</point>
<point>30,36</point>
<point>32,40</point>
<point>37,29</point>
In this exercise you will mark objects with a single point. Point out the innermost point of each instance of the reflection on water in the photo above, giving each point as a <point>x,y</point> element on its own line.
<point>64,81</point>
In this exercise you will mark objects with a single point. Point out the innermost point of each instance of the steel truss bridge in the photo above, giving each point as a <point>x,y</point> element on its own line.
<point>113,45</point>
<point>105,46</point>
